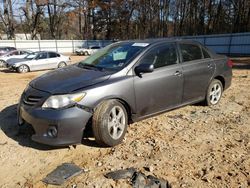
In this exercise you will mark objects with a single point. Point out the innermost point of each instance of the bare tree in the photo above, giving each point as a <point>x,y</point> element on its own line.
<point>7,19</point>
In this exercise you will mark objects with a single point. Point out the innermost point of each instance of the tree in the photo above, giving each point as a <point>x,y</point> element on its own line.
<point>7,19</point>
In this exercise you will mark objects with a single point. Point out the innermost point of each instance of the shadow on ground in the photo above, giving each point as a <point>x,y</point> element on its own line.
<point>8,124</point>
<point>5,70</point>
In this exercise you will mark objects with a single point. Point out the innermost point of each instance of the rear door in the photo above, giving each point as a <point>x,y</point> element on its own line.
<point>198,69</point>
<point>53,60</point>
<point>161,89</point>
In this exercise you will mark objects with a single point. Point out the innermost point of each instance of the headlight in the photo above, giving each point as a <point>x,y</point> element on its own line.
<point>60,101</point>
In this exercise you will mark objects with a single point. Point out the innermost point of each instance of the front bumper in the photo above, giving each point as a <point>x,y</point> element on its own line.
<point>70,124</point>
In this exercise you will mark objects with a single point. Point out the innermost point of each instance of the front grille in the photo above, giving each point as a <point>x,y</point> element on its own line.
<point>33,97</point>
<point>31,100</point>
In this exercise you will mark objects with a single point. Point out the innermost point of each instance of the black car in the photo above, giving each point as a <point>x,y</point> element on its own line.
<point>121,83</point>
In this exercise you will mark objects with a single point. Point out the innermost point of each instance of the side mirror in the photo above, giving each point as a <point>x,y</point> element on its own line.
<point>144,68</point>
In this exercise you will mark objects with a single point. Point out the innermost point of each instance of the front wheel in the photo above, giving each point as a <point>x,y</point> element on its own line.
<point>2,63</point>
<point>214,93</point>
<point>23,69</point>
<point>110,121</point>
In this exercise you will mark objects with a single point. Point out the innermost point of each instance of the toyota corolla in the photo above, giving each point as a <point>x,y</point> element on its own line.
<point>121,83</point>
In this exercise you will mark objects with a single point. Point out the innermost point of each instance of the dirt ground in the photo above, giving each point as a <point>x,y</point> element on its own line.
<point>194,146</point>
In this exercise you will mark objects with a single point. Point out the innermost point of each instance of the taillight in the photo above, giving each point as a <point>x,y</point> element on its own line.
<point>230,63</point>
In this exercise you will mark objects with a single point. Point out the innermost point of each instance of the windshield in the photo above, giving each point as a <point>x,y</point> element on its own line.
<point>31,56</point>
<point>115,56</point>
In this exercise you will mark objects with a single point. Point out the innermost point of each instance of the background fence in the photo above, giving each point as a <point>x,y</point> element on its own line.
<point>237,44</point>
<point>62,46</point>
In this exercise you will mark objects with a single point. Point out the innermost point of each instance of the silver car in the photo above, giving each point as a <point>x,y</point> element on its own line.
<point>87,51</point>
<point>18,54</point>
<point>38,61</point>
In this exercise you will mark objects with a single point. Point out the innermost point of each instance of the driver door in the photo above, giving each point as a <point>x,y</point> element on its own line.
<point>162,89</point>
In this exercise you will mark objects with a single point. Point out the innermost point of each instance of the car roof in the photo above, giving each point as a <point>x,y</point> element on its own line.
<point>160,40</point>
<point>45,51</point>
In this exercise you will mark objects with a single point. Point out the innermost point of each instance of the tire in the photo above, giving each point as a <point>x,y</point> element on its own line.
<point>86,53</point>
<point>23,69</point>
<point>2,63</point>
<point>214,93</point>
<point>61,64</point>
<point>108,128</point>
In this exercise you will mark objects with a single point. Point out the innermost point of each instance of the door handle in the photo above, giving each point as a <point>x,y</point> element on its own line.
<point>210,65</point>
<point>178,73</point>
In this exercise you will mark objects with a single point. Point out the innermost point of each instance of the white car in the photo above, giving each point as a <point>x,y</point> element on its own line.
<point>19,54</point>
<point>38,61</point>
<point>87,51</point>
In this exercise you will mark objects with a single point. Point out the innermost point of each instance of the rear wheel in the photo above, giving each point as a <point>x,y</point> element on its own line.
<point>214,93</point>
<point>61,64</point>
<point>86,53</point>
<point>23,69</point>
<point>110,122</point>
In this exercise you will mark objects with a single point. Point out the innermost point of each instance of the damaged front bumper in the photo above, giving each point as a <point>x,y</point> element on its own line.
<point>59,127</point>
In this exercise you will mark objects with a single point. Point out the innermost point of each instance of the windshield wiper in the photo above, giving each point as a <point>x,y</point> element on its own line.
<point>90,66</point>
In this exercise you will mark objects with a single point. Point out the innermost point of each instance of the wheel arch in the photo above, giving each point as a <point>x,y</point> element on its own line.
<point>122,101</point>
<point>221,79</point>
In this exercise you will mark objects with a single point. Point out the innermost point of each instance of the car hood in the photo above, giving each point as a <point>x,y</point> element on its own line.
<point>68,79</point>
<point>16,60</point>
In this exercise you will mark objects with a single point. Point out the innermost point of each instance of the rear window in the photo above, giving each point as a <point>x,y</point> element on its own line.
<point>190,52</point>
<point>52,55</point>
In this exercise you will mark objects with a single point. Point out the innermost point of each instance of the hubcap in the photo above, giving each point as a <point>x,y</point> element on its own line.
<point>215,93</point>
<point>23,69</point>
<point>61,65</point>
<point>116,122</point>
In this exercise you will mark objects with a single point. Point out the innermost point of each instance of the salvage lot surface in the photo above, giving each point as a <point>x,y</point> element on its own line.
<point>194,146</point>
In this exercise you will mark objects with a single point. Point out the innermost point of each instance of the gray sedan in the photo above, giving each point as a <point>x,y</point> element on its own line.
<point>122,83</point>
<point>38,61</point>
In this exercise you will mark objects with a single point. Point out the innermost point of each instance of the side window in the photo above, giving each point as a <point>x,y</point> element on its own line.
<point>52,55</point>
<point>161,56</point>
<point>190,52</point>
<point>42,55</point>
<point>205,53</point>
